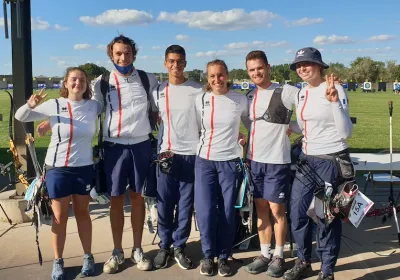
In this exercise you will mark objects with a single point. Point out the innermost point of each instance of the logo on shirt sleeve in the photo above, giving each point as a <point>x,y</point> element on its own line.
<point>162,94</point>
<point>64,109</point>
<point>207,103</point>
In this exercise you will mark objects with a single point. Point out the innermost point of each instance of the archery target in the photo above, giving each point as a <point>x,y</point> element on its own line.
<point>367,86</point>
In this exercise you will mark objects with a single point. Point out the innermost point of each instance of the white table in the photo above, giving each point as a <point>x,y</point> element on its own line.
<point>376,162</point>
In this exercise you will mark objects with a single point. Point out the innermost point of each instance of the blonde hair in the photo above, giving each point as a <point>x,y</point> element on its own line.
<point>221,63</point>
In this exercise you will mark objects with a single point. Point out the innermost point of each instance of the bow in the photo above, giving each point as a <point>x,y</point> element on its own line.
<point>39,204</point>
<point>5,168</point>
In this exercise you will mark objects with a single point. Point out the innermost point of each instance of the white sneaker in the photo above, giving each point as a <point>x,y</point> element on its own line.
<point>116,259</point>
<point>139,258</point>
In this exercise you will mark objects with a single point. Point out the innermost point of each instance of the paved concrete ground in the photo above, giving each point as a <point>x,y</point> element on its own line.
<point>19,259</point>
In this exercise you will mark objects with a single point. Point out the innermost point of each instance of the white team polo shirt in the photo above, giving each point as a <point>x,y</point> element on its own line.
<point>126,114</point>
<point>268,141</point>
<point>176,107</point>
<point>73,125</point>
<point>220,117</point>
<point>325,125</point>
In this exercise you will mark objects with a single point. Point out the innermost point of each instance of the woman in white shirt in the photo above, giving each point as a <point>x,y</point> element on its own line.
<point>217,166</point>
<point>69,159</point>
<point>324,121</point>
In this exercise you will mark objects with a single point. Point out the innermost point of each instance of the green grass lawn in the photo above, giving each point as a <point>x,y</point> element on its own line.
<point>370,134</point>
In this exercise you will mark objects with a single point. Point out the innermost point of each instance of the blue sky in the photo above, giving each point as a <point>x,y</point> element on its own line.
<point>73,32</point>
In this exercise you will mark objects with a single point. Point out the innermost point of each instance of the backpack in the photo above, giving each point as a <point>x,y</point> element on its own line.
<point>105,87</point>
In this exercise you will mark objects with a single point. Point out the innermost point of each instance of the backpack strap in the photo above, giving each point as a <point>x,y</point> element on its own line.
<point>105,85</point>
<point>104,88</point>
<point>247,93</point>
<point>146,85</point>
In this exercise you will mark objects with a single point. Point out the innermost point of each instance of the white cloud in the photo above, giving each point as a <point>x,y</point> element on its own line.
<point>364,50</point>
<point>117,17</point>
<point>38,24</point>
<point>155,47</point>
<point>331,40</point>
<point>306,21</point>
<point>256,44</point>
<point>289,51</point>
<point>64,61</point>
<point>181,37</point>
<point>226,20</point>
<point>382,38</point>
<point>211,53</point>
<point>82,46</point>
<point>143,57</point>
<point>61,28</point>
<point>101,47</point>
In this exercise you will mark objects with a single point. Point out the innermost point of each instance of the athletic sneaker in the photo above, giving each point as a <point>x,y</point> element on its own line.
<point>322,276</point>
<point>182,259</point>
<point>88,265</point>
<point>300,269</point>
<point>275,268</point>
<point>223,268</point>
<point>161,260</point>
<point>141,261</point>
<point>259,264</point>
<point>207,267</point>
<point>116,259</point>
<point>58,269</point>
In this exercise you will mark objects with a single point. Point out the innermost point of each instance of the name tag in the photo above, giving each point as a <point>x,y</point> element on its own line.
<point>359,208</point>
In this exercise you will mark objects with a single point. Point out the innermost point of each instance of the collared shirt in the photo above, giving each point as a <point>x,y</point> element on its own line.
<point>73,125</point>
<point>179,131</point>
<point>219,117</point>
<point>269,142</point>
<point>126,110</point>
<point>325,125</point>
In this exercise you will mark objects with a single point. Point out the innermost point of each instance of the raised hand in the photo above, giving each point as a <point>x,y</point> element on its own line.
<point>331,93</point>
<point>35,99</point>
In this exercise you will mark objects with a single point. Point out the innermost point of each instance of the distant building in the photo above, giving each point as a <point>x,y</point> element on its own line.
<point>6,82</point>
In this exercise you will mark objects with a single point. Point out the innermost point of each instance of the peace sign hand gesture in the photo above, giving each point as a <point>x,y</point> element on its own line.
<point>331,93</point>
<point>35,99</point>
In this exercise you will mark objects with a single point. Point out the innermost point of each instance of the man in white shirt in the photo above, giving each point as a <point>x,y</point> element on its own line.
<point>174,101</point>
<point>127,148</point>
<point>270,110</point>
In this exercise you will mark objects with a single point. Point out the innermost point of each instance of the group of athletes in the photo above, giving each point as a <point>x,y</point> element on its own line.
<point>199,132</point>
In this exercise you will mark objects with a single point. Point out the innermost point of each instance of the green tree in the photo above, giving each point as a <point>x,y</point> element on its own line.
<point>93,70</point>
<point>195,75</point>
<point>238,74</point>
<point>339,70</point>
<point>392,71</point>
<point>364,68</point>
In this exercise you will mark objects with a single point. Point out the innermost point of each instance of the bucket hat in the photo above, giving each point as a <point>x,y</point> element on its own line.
<point>310,55</point>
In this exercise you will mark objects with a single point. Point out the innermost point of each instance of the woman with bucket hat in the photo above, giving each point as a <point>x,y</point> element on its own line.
<point>323,117</point>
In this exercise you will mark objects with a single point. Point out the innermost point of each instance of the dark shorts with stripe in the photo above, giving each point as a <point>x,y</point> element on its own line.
<point>271,181</point>
<point>126,164</point>
<point>65,181</point>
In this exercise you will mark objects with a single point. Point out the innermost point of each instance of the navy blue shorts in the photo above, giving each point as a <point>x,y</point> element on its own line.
<point>64,181</point>
<point>126,164</point>
<point>271,181</point>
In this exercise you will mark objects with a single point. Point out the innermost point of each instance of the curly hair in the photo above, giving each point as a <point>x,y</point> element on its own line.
<point>123,40</point>
<point>64,91</point>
